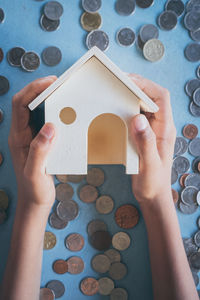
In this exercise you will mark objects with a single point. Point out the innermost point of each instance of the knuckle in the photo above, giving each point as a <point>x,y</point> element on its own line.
<point>35,145</point>
<point>15,100</point>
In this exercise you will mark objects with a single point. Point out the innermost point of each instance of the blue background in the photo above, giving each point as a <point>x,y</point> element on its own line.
<point>21,28</point>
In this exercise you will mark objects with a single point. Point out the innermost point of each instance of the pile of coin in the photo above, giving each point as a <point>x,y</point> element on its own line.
<point>192,89</point>
<point>4,202</point>
<point>18,57</point>
<point>50,19</point>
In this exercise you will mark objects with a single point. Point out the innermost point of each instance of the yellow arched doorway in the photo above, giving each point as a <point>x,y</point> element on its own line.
<point>107,138</point>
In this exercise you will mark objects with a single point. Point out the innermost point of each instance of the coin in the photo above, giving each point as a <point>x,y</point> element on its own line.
<point>3,200</point>
<point>60,266</point>
<point>193,5</point>
<point>182,179</point>
<point>194,147</point>
<point>153,50</point>
<point>75,178</point>
<point>121,241</point>
<point>194,260</point>
<point>127,216</point>
<point>194,109</point>
<point>51,56</point>
<point>113,255</point>
<point>30,61</point>
<point>125,37</point>
<point>189,195</point>
<point>193,180</point>
<point>74,242</point>
<point>49,25</point>
<point>196,97</point>
<point>95,177</point>
<point>197,239</point>
<point>191,86</point>
<point>97,38</point>
<point>57,287</point>
<point>100,263</point>
<point>190,131</point>
<point>49,240</point>
<point>175,196</point>
<point>176,6</point>
<point>118,271</point>
<point>189,246</point>
<point>64,192</point>
<point>62,178</point>
<point>192,51</point>
<point>2,15</point>
<point>1,55</point>
<point>3,216</point>
<point>192,20</point>
<point>1,115</point>
<point>101,240</point>
<point>46,294</point>
<point>181,164</point>
<point>96,225</point>
<point>198,198</point>
<point>167,20</point>
<point>119,294</point>
<point>91,21</point>
<point>187,209</point>
<point>144,3</point>
<point>106,285</point>
<point>104,204</point>
<point>148,32</point>
<point>196,278</point>
<point>195,164</point>
<point>4,85</point>
<point>181,146</point>
<point>53,10</point>
<point>67,210</point>
<point>125,7</point>
<point>174,175</point>
<point>89,286</point>
<point>195,35</point>
<point>57,223</point>
<point>91,6</point>
<point>140,44</point>
<point>75,265</point>
<point>88,193</point>
<point>14,56</point>
<point>198,71</point>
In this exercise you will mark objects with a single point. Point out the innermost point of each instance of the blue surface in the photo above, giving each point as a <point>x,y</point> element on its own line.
<point>21,28</point>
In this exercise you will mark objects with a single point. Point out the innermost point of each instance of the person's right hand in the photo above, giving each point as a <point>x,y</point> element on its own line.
<point>154,137</point>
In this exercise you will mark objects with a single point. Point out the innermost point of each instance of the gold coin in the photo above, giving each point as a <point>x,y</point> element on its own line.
<point>49,240</point>
<point>91,21</point>
<point>3,200</point>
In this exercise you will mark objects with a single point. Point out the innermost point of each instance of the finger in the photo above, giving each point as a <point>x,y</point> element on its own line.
<point>20,111</point>
<point>39,150</point>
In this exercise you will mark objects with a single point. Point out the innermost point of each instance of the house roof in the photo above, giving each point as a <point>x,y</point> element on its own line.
<point>145,102</point>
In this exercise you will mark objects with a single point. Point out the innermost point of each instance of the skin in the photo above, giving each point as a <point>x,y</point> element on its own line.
<point>154,137</point>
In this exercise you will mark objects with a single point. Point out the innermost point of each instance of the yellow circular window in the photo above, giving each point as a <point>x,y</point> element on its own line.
<point>67,115</point>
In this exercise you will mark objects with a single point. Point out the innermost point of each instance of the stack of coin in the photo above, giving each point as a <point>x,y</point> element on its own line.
<point>4,201</point>
<point>18,57</point>
<point>50,19</point>
<point>192,89</point>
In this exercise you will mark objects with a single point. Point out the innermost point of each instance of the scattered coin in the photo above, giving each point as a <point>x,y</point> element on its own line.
<point>49,25</point>
<point>100,263</point>
<point>57,223</point>
<point>3,200</point>
<point>67,210</point>
<point>194,109</point>
<point>64,192</point>
<point>148,32</point>
<point>104,204</point>
<point>4,85</point>
<point>127,216</point>
<point>125,37</point>
<point>91,6</point>
<point>196,97</point>
<point>198,198</point>
<point>197,239</point>
<point>191,86</point>
<point>181,146</point>
<point>192,20</point>
<point>95,177</point>
<point>187,209</point>
<point>121,241</point>
<point>14,56</point>
<point>181,164</point>
<point>176,6</point>
<point>3,216</point>
<point>2,15</point>
<point>30,61</point>
<point>1,115</point>
<point>97,38</point>
<point>119,294</point>
<point>175,196</point>
<point>193,5</point>
<point>91,21</point>
<point>51,56</point>
<point>96,225</point>
<point>60,266</point>
<point>53,10</point>
<point>189,246</point>
<point>101,240</point>
<point>75,265</point>
<point>1,55</point>
<point>196,278</point>
<point>193,180</point>
<point>174,175</point>
<point>46,294</point>
<point>118,271</point>
<point>144,3</point>
<point>153,50</point>
<point>125,7</point>
<point>57,287</point>
<point>194,260</point>
<point>140,44</point>
<point>167,20</point>
<point>74,242</point>
<point>192,51</point>
<point>190,131</point>
<point>194,147</point>
<point>88,193</point>
<point>182,179</point>
<point>198,72</point>
<point>195,164</point>
<point>195,35</point>
<point>106,285</point>
<point>89,286</point>
<point>49,240</point>
<point>189,195</point>
<point>113,255</point>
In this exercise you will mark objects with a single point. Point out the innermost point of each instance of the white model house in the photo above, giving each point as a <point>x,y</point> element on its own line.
<point>91,105</point>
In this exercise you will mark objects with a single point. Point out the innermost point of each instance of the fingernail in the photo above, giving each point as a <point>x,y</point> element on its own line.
<point>50,77</point>
<point>47,131</point>
<point>140,123</point>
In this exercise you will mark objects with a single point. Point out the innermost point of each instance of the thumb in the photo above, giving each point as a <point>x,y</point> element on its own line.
<point>144,139</point>
<point>39,149</point>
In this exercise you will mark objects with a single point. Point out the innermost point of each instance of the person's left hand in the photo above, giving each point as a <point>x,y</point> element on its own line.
<point>29,154</point>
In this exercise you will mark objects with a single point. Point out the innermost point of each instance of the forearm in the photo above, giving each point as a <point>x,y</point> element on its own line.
<point>23,271</point>
<point>171,275</point>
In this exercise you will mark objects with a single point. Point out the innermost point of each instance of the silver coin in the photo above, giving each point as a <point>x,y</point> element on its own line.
<point>113,255</point>
<point>51,56</point>
<point>49,25</point>
<point>194,260</point>
<point>97,38</point>
<point>193,5</point>
<point>4,85</point>
<point>192,51</point>
<point>198,199</point>
<point>148,32</point>
<point>189,246</point>
<point>181,164</point>
<point>198,71</point>
<point>56,222</point>
<point>119,294</point>
<point>30,61</point>
<point>167,20</point>
<point>194,109</point>
<point>14,56</point>
<point>125,37</point>
<point>2,15</point>
<point>67,210</point>
<point>197,239</point>
<point>57,287</point>
<point>195,163</point>
<point>153,50</point>
<point>140,43</point>
<point>191,86</point>
<point>196,278</point>
<point>91,6</point>
<point>181,146</point>
<point>192,20</point>
<point>53,10</point>
<point>187,209</point>
<point>117,271</point>
<point>196,97</point>
<point>144,3</point>
<point>195,35</point>
<point>174,175</point>
<point>189,195</point>
<point>106,285</point>
<point>121,241</point>
<point>193,180</point>
<point>100,263</point>
<point>125,7</point>
<point>96,225</point>
<point>194,147</point>
<point>176,6</point>
<point>104,204</point>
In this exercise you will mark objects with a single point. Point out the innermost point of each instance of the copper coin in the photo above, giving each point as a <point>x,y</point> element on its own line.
<point>89,286</point>
<point>101,240</point>
<point>88,193</point>
<point>75,178</point>
<point>1,55</point>
<point>62,178</point>
<point>1,115</point>
<point>46,294</point>
<point>96,225</point>
<point>4,201</point>
<point>182,179</point>
<point>64,191</point>
<point>190,131</point>
<point>127,216</point>
<point>175,196</point>
<point>198,167</point>
<point>74,242</point>
<point>60,266</point>
<point>75,265</point>
<point>95,177</point>
<point>1,158</point>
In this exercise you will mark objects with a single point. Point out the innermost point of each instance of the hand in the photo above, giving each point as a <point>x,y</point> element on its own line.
<point>29,154</point>
<point>154,137</point>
